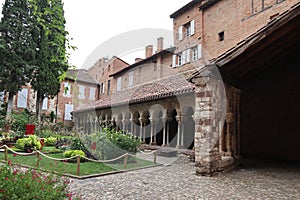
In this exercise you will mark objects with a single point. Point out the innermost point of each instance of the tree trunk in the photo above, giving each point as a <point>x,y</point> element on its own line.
<point>39,104</point>
<point>8,112</point>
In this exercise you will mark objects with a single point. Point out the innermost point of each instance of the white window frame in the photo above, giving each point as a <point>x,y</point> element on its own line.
<point>103,88</point>
<point>119,83</point>
<point>68,110</point>
<point>92,93</point>
<point>180,33</point>
<point>195,54</point>
<point>174,57</point>
<point>81,90</point>
<point>192,24</point>
<point>22,98</point>
<point>130,78</point>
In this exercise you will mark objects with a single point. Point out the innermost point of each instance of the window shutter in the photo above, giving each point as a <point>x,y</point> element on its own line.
<point>68,110</point>
<point>180,33</point>
<point>192,27</point>
<point>188,55</point>
<point>183,57</point>
<point>119,83</point>
<point>45,104</point>
<point>22,98</point>
<point>103,91</point>
<point>174,61</point>
<point>92,93</point>
<point>199,51</point>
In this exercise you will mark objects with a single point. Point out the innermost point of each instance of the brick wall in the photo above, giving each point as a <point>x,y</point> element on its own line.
<point>236,19</point>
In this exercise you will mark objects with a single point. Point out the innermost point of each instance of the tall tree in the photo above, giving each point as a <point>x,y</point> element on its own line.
<point>51,60</point>
<point>17,48</point>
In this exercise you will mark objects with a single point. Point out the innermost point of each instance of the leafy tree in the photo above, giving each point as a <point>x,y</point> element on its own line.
<point>51,60</point>
<point>17,48</point>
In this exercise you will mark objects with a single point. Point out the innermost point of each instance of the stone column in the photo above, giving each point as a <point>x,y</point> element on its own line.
<point>141,129</point>
<point>124,126</point>
<point>153,122</point>
<point>229,121</point>
<point>179,120</point>
<point>207,156</point>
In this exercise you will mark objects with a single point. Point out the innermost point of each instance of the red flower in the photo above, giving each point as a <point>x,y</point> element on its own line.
<point>15,155</point>
<point>9,162</point>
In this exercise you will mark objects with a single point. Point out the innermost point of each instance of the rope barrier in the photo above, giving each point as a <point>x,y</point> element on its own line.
<point>152,152</point>
<point>66,159</point>
<point>17,153</point>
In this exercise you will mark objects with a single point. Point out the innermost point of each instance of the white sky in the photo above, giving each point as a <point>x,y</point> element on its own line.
<point>92,22</point>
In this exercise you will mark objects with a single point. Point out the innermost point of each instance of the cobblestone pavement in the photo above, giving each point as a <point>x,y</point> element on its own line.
<point>177,180</point>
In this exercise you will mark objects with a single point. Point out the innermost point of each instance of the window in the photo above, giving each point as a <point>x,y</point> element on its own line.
<point>92,93</point>
<point>188,29</point>
<point>68,111</point>
<point>179,59</point>
<point>22,98</point>
<point>196,53</point>
<point>180,31</point>
<point>130,79</point>
<point>103,88</point>
<point>119,84</point>
<point>108,68</point>
<point>108,87</point>
<point>45,104</point>
<point>81,92</point>
<point>67,89</point>
<point>221,36</point>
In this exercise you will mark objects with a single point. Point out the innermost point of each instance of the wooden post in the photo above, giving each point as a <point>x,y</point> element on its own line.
<point>38,159</point>
<point>154,159</point>
<point>5,153</point>
<point>125,160</point>
<point>78,165</point>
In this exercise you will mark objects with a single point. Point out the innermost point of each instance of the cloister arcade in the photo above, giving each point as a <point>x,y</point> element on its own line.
<point>164,122</point>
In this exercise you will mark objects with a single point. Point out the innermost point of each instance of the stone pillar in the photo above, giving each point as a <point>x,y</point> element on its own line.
<point>179,132</point>
<point>153,123</point>
<point>141,129</point>
<point>229,121</point>
<point>207,156</point>
<point>124,126</point>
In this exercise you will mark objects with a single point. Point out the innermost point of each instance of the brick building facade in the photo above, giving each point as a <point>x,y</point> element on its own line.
<point>238,39</point>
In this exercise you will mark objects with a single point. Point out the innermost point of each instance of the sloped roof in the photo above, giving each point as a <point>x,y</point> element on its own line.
<point>185,8</point>
<point>161,53</point>
<point>80,75</point>
<point>163,88</point>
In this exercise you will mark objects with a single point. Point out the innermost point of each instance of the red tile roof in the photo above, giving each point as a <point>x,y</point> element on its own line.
<point>166,87</point>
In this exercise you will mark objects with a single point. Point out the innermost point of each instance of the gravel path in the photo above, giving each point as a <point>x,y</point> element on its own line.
<point>176,179</point>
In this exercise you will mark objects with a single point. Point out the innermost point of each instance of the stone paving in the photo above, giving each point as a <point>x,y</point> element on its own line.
<point>176,179</point>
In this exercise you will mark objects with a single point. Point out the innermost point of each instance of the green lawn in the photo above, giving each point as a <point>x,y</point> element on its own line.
<point>86,168</point>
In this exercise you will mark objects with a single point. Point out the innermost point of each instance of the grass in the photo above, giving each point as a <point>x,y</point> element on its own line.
<point>86,168</point>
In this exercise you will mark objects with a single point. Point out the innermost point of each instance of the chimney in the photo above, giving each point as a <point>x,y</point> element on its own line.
<point>138,60</point>
<point>160,44</point>
<point>149,51</point>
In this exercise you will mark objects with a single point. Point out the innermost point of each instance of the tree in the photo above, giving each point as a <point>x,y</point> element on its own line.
<point>17,48</point>
<point>51,60</point>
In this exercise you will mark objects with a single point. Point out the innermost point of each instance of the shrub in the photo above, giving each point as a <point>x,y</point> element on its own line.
<point>31,184</point>
<point>50,141</point>
<point>110,144</point>
<point>72,153</point>
<point>29,144</point>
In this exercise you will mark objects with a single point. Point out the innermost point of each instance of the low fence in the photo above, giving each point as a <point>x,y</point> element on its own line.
<point>78,157</point>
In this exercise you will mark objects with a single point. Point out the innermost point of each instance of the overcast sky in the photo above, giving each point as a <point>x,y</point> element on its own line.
<point>93,22</point>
